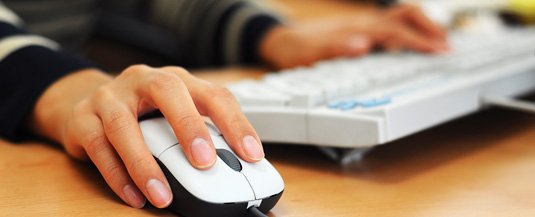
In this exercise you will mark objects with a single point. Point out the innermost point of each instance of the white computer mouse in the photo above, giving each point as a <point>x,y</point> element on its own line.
<point>229,188</point>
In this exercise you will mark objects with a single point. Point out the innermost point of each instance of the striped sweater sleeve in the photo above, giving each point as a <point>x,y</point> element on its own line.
<point>28,65</point>
<point>215,32</point>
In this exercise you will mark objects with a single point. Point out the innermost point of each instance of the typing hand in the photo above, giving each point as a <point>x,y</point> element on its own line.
<point>395,28</point>
<point>95,117</point>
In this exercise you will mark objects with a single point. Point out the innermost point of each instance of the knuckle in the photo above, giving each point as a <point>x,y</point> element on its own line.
<point>240,123</point>
<point>164,82</point>
<point>102,95</point>
<point>220,92</point>
<point>188,121</point>
<point>113,172</point>
<point>138,165</point>
<point>176,69</point>
<point>236,124</point>
<point>95,143</point>
<point>136,69</point>
<point>117,122</point>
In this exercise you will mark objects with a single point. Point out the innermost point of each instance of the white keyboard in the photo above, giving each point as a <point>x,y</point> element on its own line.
<point>363,102</point>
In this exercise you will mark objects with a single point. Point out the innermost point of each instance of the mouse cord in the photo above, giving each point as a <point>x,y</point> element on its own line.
<point>255,212</point>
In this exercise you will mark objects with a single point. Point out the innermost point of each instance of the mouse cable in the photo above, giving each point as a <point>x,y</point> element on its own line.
<point>255,212</point>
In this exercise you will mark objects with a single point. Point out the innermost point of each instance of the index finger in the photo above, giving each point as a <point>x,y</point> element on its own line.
<point>220,105</point>
<point>418,19</point>
<point>169,93</point>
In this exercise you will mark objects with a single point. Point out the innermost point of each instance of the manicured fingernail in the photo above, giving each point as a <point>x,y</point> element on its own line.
<point>252,148</point>
<point>159,194</point>
<point>134,197</point>
<point>202,152</point>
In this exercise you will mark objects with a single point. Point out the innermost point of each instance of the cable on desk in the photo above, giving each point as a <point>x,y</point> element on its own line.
<point>255,212</point>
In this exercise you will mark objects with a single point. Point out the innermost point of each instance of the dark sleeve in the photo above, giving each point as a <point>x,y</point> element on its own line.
<point>28,65</point>
<point>215,32</point>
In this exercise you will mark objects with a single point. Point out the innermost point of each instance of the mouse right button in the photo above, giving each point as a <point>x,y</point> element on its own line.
<point>263,178</point>
<point>219,184</point>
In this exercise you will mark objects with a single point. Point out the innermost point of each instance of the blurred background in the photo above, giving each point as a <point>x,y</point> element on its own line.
<point>483,16</point>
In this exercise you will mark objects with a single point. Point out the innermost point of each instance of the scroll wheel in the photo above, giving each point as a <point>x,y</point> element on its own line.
<point>229,158</point>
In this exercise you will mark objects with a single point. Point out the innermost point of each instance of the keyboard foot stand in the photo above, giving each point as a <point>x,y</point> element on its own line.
<point>510,103</point>
<point>345,156</point>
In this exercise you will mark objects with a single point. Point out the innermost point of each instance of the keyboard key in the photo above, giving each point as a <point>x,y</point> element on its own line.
<point>360,102</point>
<point>251,93</point>
<point>301,94</point>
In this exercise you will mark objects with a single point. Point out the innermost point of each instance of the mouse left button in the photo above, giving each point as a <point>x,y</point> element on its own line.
<point>158,135</point>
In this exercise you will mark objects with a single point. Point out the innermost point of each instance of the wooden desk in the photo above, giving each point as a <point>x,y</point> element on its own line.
<point>481,165</point>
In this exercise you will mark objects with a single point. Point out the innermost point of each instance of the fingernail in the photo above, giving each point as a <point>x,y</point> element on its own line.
<point>159,193</point>
<point>358,43</point>
<point>134,197</point>
<point>252,148</point>
<point>441,46</point>
<point>202,152</point>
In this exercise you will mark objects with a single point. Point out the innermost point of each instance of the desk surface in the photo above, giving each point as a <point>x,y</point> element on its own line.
<point>481,165</point>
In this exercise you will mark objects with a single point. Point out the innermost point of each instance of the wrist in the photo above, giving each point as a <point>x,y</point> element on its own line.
<point>53,107</point>
<point>273,42</point>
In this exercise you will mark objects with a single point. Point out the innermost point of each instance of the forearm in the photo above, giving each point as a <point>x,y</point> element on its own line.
<point>57,101</point>
<point>217,32</point>
<point>29,65</point>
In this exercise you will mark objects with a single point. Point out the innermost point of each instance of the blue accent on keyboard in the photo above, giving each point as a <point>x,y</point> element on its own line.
<point>348,105</point>
<point>366,103</point>
<point>375,102</point>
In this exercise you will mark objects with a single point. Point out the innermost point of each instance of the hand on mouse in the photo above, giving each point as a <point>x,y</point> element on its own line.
<point>399,27</point>
<point>95,117</point>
